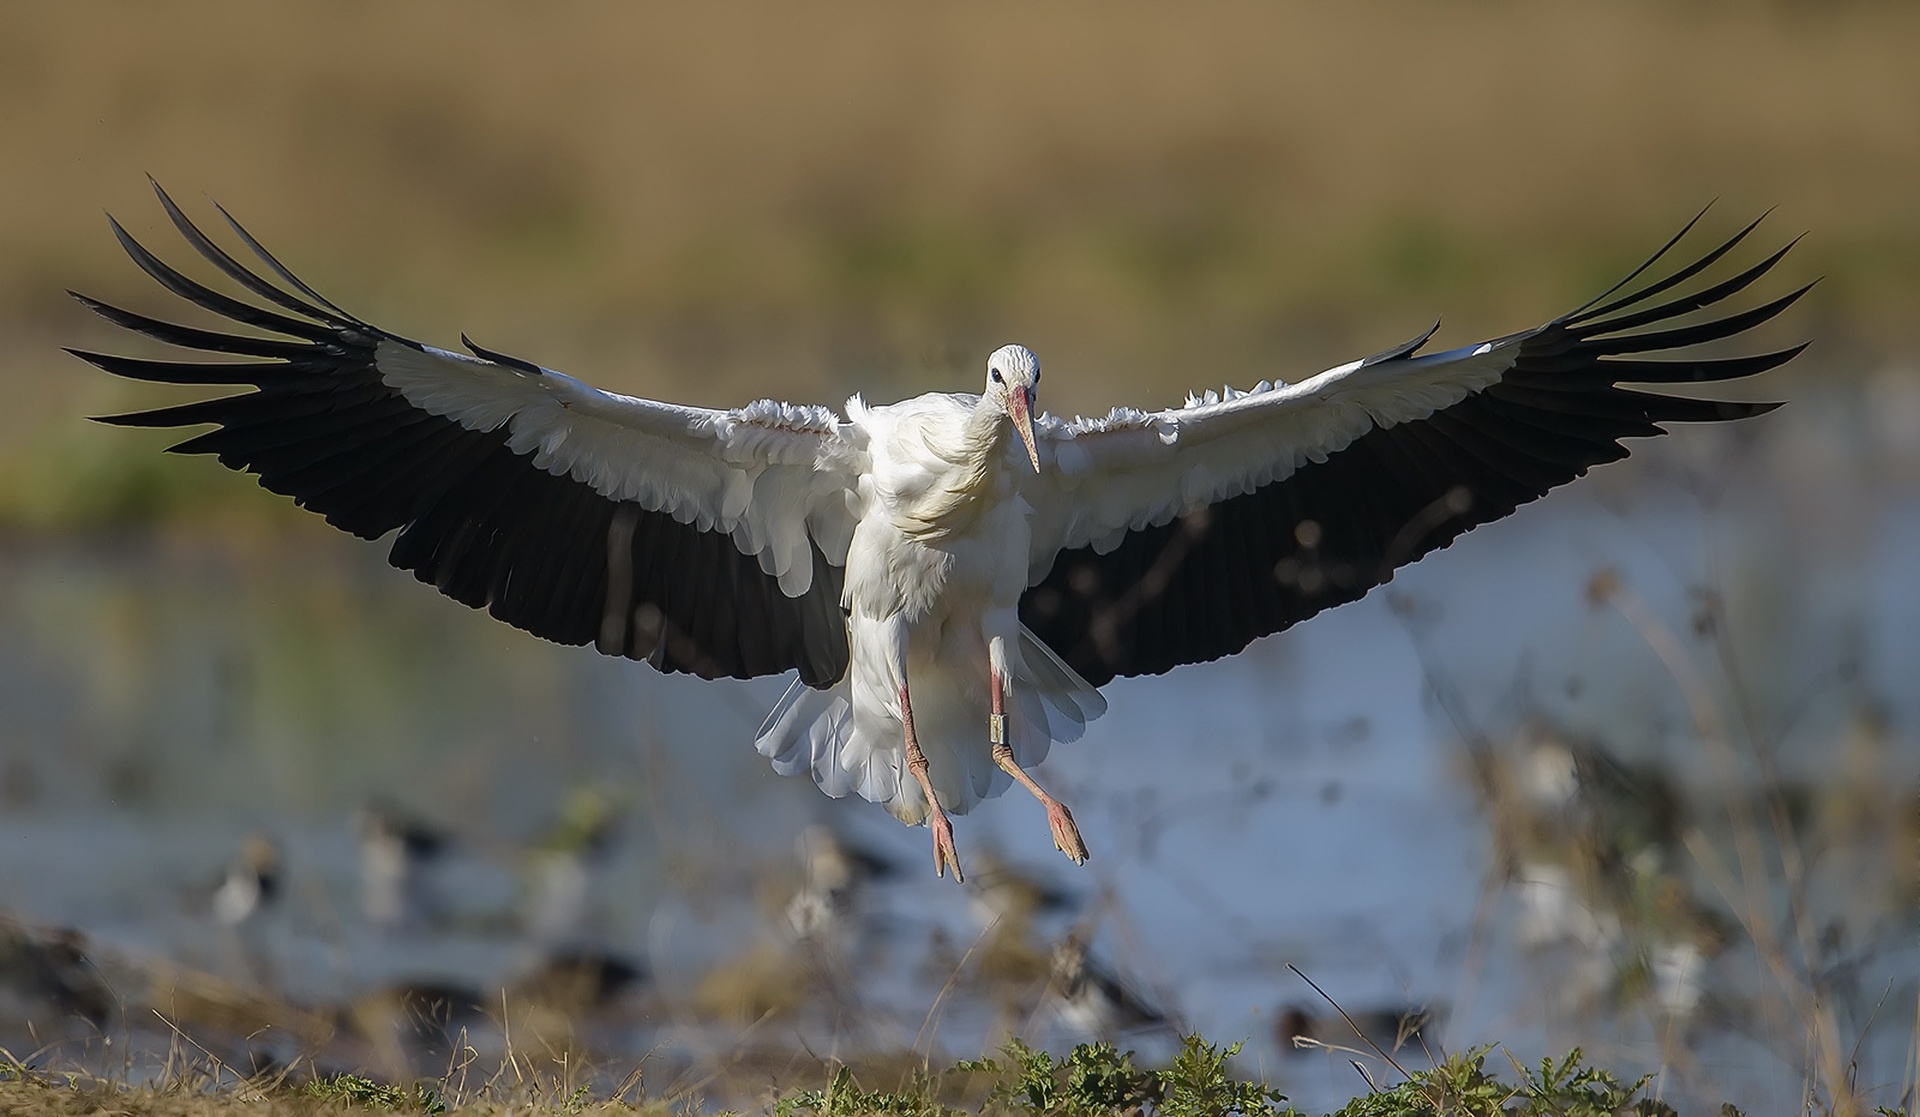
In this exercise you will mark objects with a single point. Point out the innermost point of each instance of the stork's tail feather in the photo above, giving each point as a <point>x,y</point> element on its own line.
<point>815,732</point>
<point>1073,701</point>
<point>805,732</point>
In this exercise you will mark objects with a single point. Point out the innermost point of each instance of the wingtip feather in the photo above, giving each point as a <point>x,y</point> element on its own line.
<point>1592,310</point>
<point>279,268</point>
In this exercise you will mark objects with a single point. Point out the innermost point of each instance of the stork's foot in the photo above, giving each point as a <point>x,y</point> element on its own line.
<point>944,853</point>
<point>1066,836</point>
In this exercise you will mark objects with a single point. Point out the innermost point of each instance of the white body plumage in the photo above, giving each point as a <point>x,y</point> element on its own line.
<point>934,575</point>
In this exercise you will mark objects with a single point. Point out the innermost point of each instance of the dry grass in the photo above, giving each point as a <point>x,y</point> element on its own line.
<point>1746,864</point>
<point>715,202</point>
<point>754,190</point>
<point>1094,1080</point>
<point>52,1097</point>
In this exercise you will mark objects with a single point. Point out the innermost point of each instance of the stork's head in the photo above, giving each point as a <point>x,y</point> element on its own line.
<point>1013,380</point>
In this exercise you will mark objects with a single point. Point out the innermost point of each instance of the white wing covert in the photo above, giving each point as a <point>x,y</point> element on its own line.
<point>1178,536</point>
<point>699,540</point>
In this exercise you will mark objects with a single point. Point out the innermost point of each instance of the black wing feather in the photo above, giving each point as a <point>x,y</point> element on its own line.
<point>238,272</point>
<point>469,515</point>
<point>1333,530</point>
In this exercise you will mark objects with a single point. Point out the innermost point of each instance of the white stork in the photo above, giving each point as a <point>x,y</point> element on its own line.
<point>952,577</point>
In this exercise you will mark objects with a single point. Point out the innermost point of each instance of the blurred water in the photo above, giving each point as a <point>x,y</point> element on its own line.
<point>1312,801</point>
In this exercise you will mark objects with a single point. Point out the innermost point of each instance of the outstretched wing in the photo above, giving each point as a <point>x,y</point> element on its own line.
<point>1181,536</point>
<point>698,540</point>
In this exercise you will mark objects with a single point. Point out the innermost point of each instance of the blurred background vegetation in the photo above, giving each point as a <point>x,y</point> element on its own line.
<point>715,202</point>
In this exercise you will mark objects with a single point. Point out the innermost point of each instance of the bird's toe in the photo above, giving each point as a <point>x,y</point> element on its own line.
<point>945,855</point>
<point>1066,836</point>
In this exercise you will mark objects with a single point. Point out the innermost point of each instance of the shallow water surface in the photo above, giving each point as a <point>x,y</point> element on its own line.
<point>1488,792</point>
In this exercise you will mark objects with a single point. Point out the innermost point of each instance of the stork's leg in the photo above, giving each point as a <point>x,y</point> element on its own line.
<point>944,853</point>
<point>1066,836</point>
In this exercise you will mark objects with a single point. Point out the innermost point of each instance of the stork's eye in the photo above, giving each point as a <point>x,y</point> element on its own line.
<point>995,374</point>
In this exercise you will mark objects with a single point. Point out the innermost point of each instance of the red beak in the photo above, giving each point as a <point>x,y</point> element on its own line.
<point>1020,410</point>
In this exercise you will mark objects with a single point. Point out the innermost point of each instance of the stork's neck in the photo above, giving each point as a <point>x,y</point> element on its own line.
<point>985,431</point>
<point>973,452</point>
<point>979,449</point>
